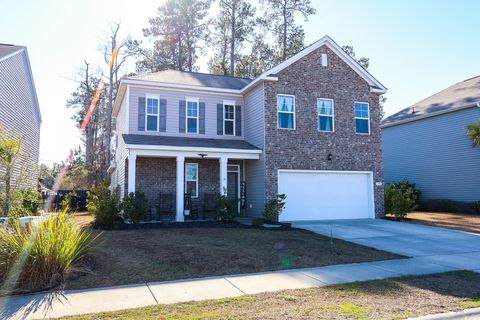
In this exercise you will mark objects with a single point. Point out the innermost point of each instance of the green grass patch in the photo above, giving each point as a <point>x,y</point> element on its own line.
<point>351,310</point>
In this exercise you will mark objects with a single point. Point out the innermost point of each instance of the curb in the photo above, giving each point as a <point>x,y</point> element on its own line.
<point>467,314</point>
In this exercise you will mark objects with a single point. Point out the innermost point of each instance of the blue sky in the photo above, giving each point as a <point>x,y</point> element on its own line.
<point>416,48</point>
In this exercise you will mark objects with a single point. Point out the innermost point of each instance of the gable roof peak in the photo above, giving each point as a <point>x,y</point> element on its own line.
<point>375,85</point>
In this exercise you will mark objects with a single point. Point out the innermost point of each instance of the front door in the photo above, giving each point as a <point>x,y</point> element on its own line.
<point>233,182</point>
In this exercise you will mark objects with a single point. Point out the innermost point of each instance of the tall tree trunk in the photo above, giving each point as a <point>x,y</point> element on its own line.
<point>224,57</point>
<point>180,53</point>
<point>232,42</point>
<point>89,130</point>
<point>108,126</point>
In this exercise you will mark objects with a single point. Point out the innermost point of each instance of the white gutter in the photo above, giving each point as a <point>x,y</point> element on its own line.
<point>180,86</point>
<point>192,149</point>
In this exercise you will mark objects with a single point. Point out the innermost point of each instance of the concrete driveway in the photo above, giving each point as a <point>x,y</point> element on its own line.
<point>445,247</point>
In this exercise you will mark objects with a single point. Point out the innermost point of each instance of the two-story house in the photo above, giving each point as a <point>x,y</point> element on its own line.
<point>20,113</point>
<point>308,128</point>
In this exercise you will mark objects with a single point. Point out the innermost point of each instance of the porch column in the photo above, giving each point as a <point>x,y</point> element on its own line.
<point>223,175</point>
<point>180,186</point>
<point>132,161</point>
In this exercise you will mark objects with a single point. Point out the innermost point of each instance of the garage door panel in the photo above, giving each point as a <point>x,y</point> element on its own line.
<point>317,195</point>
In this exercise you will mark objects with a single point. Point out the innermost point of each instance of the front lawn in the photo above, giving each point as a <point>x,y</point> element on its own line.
<point>136,256</point>
<point>383,299</point>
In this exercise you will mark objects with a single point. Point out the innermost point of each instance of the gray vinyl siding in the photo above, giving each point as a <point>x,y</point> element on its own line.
<point>19,114</point>
<point>435,154</point>
<point>173,97</point>
<point>121,152</point>
<point>254,115</point>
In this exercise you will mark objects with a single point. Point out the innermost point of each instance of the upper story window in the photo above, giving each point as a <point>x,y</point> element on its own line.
<point>192,115</point>
<point>325,115</point>
<point>362,118</point>
<point>229,118</point>
<point>152,113</point>
<point>286,111</point>
<point>191,179</point>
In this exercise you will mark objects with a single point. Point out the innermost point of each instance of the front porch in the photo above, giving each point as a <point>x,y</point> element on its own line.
<point>175,181</point>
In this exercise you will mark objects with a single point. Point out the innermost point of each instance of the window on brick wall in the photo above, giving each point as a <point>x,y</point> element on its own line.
<point>286,111</point>
<point>191,179</point>
<point>325,115</point>
<point>362,118</point>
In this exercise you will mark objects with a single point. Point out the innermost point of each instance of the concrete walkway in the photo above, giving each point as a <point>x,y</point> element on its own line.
<point>433,250</point>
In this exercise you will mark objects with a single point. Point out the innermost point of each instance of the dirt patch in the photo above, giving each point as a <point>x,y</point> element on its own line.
<point>384,299</point>
<point>456,221</point>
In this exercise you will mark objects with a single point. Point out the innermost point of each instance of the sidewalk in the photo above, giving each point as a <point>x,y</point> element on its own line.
<point>74,302</point>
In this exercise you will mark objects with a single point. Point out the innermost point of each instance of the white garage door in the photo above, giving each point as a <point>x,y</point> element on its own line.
<point>322,195</point>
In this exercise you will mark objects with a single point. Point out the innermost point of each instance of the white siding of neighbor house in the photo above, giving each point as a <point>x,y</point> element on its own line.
<point>436,154</point>
<point>118,176</point>
<point>19,115</point>
<point>173,97</point>
<point>255,134</point>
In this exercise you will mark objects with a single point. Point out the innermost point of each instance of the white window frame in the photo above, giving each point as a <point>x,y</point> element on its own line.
<point>152,97</point>
<point>229,103</point>
<point>326,115</point>
<point>196,181</point>
<point>294,111</point>
<point>197,101</point>
<point>361,118</point>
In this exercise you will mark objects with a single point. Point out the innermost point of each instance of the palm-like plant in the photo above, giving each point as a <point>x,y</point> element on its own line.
<point>473,133</point>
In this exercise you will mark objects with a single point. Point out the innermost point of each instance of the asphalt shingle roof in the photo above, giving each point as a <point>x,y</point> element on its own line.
<point>7,49</point>
<point>140,139</point>
<point>194,79</point>
<point>459,95</point>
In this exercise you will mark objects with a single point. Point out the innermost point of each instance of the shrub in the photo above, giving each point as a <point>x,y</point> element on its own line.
<point>26,202</point>
<point>134,207</point>
<point>41,257</point>
<point>401,198</point>
<point>103,205</point>
<point>226,210</point>
<point>274,208</point>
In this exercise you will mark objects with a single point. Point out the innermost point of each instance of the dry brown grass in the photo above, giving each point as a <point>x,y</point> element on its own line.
<point>457,221</point>
<point>136,256</point>
<point>384,299</point>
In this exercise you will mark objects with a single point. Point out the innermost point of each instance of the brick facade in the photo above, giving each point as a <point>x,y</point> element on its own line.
<point>158,175</point>
<point>155,176</point>
<point>306,147</point>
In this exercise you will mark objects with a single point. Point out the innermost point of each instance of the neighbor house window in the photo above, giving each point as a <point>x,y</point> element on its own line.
<point>362,118</point>
<point>325,115</point>
<point>229,118</point>
<point>191,179</point>
<point>286,111</point>
<point>152,113</point>
<point>192,115</point>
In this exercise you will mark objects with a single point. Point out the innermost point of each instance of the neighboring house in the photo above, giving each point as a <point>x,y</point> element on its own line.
<point>427,144</point>
<point>308,128</point>
<point>19,112</point>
